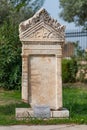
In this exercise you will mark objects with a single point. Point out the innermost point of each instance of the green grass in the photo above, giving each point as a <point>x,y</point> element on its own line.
<point>8,97</point>
<point>74,99</point>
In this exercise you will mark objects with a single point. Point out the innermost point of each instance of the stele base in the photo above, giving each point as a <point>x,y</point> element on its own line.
<point>27,113</point>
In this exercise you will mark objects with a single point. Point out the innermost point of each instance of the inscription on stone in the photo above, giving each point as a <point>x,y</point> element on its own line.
<point>42,111</point>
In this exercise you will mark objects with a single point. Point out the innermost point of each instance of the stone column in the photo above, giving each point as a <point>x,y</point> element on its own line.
<point>25,78</point>
<point>59,82</point>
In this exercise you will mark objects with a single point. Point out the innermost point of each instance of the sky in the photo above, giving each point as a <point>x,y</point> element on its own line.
<point>52,6</point>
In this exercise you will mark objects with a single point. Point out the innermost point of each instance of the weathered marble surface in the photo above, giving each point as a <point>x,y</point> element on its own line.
<point>41,26</point>
<point>42,39</point>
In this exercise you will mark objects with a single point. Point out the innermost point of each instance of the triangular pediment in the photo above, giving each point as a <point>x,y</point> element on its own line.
<point>41,27</point>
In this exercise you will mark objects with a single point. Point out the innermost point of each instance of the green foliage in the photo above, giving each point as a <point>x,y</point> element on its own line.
<point>18,10</point>
<point>79,52</point>
<point>12,12</point>
<point>69,70</point>
<point>81,58</point>
<point>10,109</point>
<point>74,11</point>
<point>10,58</point>
<point>76,68</point>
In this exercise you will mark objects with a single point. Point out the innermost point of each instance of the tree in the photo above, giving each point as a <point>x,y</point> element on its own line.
<point>12,12</point>
<point>74,11</point>
<point>18,10</point>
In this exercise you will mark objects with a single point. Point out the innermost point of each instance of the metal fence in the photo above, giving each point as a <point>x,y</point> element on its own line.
<point>77,35</point>
<point>74,36</point>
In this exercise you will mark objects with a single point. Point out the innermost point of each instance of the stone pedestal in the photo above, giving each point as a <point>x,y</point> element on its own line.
<point>28,113</point>
<point>42,38</point>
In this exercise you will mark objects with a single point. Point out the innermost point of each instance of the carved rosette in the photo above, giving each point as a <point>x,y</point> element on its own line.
<point>41,27</point>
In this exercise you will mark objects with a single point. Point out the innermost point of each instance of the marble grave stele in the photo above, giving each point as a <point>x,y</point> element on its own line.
<point>42,39</point>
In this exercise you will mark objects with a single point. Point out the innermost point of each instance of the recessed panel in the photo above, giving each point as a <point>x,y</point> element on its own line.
<point>42,80</point>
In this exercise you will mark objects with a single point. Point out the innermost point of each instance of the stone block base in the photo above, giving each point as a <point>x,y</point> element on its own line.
<point>24,113</point>
<point>64,113</point>
<point>27,113</point>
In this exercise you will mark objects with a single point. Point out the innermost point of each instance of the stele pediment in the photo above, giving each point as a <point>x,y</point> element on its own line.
<point>41,27</point>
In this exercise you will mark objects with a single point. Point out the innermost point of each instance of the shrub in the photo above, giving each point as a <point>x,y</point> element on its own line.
<point>69,70</point>
<point>10,57</point>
